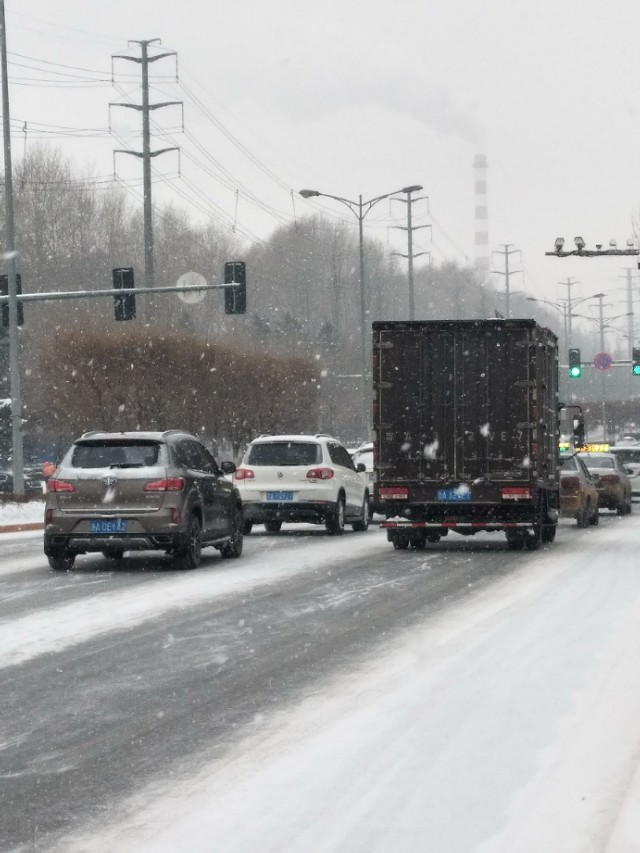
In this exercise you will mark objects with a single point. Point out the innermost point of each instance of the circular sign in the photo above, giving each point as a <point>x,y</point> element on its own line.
<point>602,361</point>
<point>189,279</point>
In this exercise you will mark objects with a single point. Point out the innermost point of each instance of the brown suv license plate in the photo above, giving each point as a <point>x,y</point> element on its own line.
<point>107,526</point>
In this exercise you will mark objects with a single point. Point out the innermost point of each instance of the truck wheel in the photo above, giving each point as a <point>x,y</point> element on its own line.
<point>548,533</point>
<point>533,538</point>
<point>419,542</point>
<point>515,540</point>
<point>401,543</point>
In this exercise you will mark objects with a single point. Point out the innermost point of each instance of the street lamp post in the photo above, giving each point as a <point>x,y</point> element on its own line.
<point>360,209</point>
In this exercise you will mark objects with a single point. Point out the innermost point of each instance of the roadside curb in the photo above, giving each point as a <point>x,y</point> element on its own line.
<point>18,528</point>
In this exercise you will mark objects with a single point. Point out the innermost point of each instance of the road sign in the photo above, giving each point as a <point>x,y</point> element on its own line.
<point>189,279</point>
<point>602,361</point>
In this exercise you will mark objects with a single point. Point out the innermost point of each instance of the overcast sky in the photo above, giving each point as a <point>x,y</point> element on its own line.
<point>359,97</point>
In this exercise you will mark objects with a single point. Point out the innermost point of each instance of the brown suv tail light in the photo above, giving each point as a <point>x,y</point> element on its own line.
<point>60,486</point>
<point>320,474</point>
<point>244,474</point>
<point>168,484</point>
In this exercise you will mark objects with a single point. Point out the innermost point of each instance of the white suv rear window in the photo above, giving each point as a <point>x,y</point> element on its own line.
<point>285,453</point>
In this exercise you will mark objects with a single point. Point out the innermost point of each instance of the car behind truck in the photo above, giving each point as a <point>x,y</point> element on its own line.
<point>466,430</point>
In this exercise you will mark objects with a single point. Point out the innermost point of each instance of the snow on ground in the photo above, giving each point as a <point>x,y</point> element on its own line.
<point>61,626</point>
<point>511,722</point>
<point>21,513</point>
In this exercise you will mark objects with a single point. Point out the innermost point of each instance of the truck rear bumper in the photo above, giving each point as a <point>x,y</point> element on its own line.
<point>402,523</point>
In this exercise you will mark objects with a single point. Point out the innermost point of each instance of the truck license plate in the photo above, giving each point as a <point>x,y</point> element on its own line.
<point>453,495</point>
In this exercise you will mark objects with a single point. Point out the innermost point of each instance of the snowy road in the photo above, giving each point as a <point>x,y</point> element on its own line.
<point>323,694</point>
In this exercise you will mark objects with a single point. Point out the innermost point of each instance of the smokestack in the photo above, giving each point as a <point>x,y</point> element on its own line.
<point>482,252</point>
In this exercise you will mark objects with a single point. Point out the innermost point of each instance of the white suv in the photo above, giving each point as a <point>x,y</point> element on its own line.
<point>309,478</point>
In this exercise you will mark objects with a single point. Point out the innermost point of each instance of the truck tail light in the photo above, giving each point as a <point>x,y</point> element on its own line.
<point>167,484</point>
<point>394,493</point>
<point>244,474</point>
<point>60,486</point>
<point>320,474</point>
<point>516,493</point>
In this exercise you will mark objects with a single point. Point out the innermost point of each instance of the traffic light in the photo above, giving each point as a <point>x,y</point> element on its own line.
<point>235,298</point>
<point>124,303</point>
<point>575,367</point>
<point>4,290</point>
<point>635,361</point>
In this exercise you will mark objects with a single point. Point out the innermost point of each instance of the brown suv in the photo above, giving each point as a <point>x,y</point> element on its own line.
<point>126,491</point>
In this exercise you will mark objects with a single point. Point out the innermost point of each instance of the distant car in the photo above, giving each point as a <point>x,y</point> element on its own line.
<point>126,491</point>
<point>578,493</point>
<point>363,455</point>
<point>33,483</point>
<point>630,457</point>
<point>307,478</point>
<point>612,481</point>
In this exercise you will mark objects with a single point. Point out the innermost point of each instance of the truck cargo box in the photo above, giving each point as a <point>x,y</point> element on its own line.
<point>466,428</point>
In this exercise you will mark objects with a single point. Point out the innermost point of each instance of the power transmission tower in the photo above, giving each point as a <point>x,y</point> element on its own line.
<point>146,154</point>
<point>507,250</point>
<point>410,228</point>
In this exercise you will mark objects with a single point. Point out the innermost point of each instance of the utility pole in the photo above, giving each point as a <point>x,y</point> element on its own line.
<point>17,451</point>
<point>146,154</point>
<point>630,329</point>
<point>409,228</point>
<point>569,283</point>
<point>600,297</point>
<point>507,250</point>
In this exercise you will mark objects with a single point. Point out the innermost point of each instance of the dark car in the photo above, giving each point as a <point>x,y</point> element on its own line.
<point>33,483</point>
<point>117,492</point>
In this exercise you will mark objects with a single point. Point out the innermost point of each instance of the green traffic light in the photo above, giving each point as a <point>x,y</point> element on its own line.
<point>575,372</point>
<point>636,370</point>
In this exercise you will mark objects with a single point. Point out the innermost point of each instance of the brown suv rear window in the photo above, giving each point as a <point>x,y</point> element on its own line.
<point>115,454</point>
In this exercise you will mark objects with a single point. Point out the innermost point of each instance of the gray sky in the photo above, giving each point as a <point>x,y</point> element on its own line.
<point>361,97</point>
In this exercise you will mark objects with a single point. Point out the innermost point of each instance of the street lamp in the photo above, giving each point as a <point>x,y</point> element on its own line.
<point>360,209</point>
<point>559,306</point>
<point>582,251</point>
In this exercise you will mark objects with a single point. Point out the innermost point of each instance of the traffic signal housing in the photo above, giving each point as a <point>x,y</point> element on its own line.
<point>124,303</point>
<point>575,366</point>
<point>4,291</point>
<point>635,361</point>
<point>235,298</point>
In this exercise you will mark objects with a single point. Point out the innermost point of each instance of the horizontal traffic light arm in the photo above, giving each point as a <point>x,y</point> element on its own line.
<point>112,292</point>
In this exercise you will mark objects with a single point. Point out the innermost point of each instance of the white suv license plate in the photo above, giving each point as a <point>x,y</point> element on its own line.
<point>108,526</point>
<point>279,496</point>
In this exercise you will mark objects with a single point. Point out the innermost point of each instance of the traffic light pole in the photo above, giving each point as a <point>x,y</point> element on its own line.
<point>114,294</point>
<point>17,454</point>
